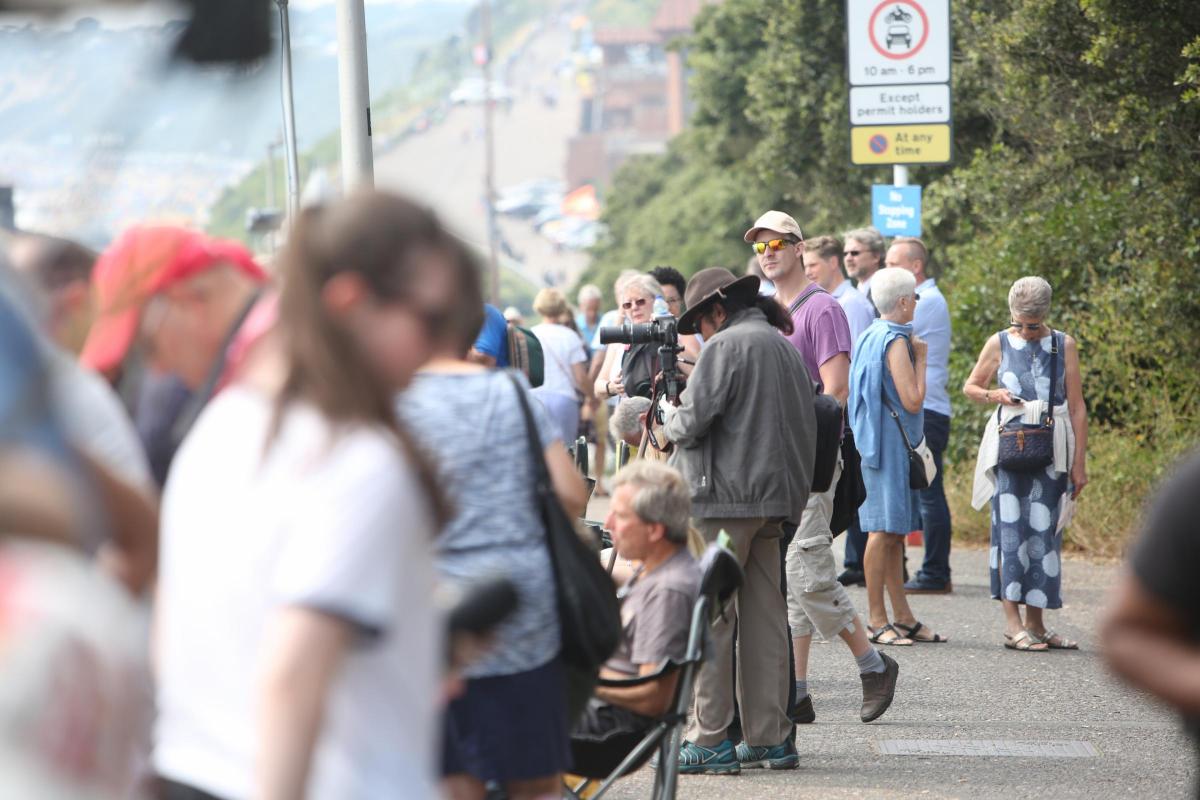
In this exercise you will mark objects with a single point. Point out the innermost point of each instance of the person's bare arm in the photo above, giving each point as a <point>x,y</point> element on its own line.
<point>605,386</point>
<point>835,377</point>
<point>131,554</point>
<point>909,379</point>
<point>978,382</point>
<point>579,372</point>
<point>567,482</point>
<point>650,699</point>
<point>1145,642</point>
<point>303,652</point>
<point>1078,411</point>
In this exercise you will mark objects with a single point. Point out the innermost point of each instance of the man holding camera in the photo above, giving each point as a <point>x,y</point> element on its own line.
<point>816,601</point>
<point>744,436</point>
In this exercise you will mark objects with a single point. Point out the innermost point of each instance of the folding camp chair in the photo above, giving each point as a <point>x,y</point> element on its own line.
<point>722,575</point>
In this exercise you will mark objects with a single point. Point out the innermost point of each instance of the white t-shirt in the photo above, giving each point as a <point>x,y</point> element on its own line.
<point>561,348</point>
<point>325,519</point>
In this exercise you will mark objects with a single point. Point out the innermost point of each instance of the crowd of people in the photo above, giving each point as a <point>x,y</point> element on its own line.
<point>266,483</point>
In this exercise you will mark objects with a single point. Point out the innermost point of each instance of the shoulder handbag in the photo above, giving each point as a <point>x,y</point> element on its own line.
<point>1028,448</point>
<point>921,467</point>
<point>588,613</point>
<point>851,491</point>
<point>525,354</point>
<point>829,425</point>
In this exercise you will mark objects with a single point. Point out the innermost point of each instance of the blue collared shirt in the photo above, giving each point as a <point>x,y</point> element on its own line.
<point>859,311</point>
<point>932,323</point>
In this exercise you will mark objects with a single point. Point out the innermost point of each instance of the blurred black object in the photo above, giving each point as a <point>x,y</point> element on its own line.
<point>226,31</point>
<point>482,607</point>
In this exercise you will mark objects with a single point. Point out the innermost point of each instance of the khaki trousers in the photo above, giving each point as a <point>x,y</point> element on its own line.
<point>762,644</point>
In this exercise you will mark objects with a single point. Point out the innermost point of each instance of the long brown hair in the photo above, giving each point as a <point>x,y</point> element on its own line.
<point>384,239</point>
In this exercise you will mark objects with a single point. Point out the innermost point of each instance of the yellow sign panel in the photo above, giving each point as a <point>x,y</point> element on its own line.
<point>900,144</point>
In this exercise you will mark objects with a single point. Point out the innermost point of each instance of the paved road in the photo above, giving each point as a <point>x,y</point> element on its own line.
<point>444,166</point>
<point>973,689</point>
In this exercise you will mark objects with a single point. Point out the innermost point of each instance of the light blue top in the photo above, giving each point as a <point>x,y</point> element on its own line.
<point>891,506</point>
<point>859,311</point>
<point>932,323</point>
<point>870,378</point>
<point>607,320</point>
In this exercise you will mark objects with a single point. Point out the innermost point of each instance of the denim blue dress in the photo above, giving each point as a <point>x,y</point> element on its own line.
<point>1024,558</point>
<point>891,505</point>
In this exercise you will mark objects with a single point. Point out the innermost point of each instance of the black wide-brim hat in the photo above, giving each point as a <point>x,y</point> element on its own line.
<point>709,285</point>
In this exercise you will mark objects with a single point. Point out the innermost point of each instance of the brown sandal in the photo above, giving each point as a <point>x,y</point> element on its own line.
<point>1025,642</point>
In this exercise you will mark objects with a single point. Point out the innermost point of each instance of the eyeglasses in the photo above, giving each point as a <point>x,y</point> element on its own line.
<point>853,253</point>
<point>673,301</point>
<point>1026,326</point>
<point>628,304</point>
<point>775,244</point>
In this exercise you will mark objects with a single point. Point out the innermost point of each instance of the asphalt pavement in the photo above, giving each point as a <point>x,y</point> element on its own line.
<point>1049,724</point>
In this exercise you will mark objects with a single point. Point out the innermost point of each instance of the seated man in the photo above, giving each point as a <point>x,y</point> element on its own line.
<point>649,516</point>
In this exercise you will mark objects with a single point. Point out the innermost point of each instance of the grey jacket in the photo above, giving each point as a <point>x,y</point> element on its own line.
<point>745,431</point>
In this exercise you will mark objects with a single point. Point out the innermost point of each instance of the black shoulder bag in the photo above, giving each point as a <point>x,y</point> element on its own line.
<point>588,613</point>
<point>1025,447</point>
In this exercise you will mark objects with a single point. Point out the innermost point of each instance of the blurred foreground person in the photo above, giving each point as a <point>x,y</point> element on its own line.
<point>299,653</point>
<point>73,708</point>
<point>173,325</point>
<point>510,724</point>
<point>62,270</point>
<point>1152,633</point>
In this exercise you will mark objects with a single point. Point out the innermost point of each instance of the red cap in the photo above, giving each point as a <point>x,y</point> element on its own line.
<point>141,263</point>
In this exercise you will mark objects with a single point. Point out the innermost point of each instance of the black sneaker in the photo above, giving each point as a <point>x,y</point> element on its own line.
<point>878,689</point>
<point>852,577</point>
<point>803,712</point>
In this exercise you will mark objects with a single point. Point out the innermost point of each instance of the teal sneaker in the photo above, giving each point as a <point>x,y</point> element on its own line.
<point>720,760</point>
<point>781,756</point>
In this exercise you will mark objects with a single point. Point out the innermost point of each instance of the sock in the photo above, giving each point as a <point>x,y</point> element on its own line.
<point>801,690</point>
<point>871,661</point>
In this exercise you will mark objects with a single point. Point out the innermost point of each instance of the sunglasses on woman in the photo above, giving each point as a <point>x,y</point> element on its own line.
<point>1026,326</point>
<point>628,304</point>
<point>775,244</point>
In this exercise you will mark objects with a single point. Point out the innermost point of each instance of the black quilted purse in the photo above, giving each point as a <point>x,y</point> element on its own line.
<point>1028,448</point>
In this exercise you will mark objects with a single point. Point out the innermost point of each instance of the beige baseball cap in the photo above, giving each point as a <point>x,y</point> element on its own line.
<point>774,221</point>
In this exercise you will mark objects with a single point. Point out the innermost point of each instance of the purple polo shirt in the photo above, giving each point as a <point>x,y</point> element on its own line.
<point>821,330</point>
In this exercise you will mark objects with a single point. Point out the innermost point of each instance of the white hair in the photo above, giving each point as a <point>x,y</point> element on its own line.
<point>625,418</point>
<point>1030,297</point>
<point>622,279</point>
<point>662,496</point>
<point>643,284</point>
<point>589,292</point>
<point>890,284</point>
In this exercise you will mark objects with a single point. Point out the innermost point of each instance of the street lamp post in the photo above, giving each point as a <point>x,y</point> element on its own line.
<point>489,155</point>
<point>289,113</point>
<point>354,97</point>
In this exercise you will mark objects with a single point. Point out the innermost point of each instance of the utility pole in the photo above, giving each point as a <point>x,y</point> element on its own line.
<point>289,117</point>
<point>354,96</point>
<point>489,156</point>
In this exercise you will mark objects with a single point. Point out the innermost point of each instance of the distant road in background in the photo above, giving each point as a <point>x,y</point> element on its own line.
<point>444,166</point>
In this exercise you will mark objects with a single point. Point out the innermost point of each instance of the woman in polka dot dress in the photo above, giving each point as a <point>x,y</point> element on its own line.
<point>1026,540</point>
